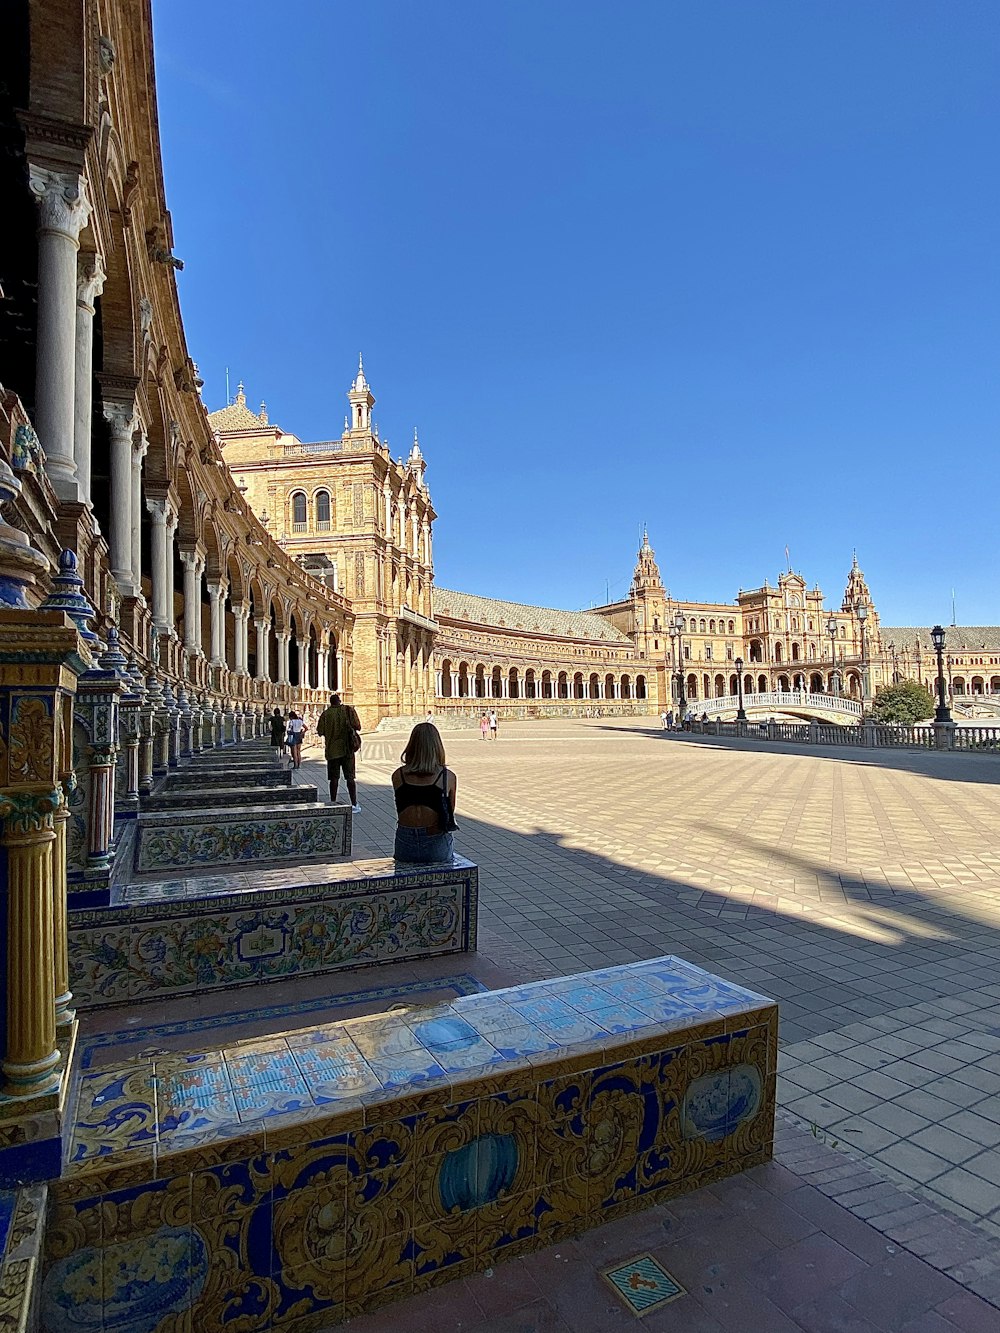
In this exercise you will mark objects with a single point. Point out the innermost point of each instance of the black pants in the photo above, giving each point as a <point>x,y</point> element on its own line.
<point>342,764</point>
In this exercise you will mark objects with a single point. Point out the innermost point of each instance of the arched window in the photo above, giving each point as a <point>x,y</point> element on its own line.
<point>711,627</point>
<point>777,652</point>
<point>701,625</point>
<point>732,626</point>
<point>323,510</point>
<point>299,511</point>
<point>692,625</point>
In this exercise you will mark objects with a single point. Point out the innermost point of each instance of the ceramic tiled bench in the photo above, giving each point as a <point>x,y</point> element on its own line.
<point>174,937</point>
<point>302,1179</point>
<point>169,840</point>
<point>197,798</point>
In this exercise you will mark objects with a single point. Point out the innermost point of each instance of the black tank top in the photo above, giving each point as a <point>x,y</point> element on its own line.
<point>430,795</point>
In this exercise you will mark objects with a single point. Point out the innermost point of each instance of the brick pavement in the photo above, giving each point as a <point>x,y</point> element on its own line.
<point>858,887</point>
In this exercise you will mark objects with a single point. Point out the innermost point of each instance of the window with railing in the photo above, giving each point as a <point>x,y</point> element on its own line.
<point>300,511</point>
<point>323,523</point>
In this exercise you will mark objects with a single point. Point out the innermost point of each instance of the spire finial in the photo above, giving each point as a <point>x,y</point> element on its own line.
<point>240,395</point>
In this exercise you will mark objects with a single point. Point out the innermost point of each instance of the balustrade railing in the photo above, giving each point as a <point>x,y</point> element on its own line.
<point>779,701</point>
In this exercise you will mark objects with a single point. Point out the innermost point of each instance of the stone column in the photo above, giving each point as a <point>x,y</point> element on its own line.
<point>159,510</point>
<point>425,541</point>
<point>89,285</point>
<point>63,213</point>
<point>263,668</point>
<point>304,664</point>
<point>454,684</point>
<point>121,417</point>
<point>387,505</point>
<point>31,1058</point>
<point>340,671</point>
<point>323,666</point>
<point>65,1013</point>
<point>217,593</point>
<point>171,533</point>
<point>241,614</point>
<point>283,636</point>
<point>139,447</point>
<point>194,567</point>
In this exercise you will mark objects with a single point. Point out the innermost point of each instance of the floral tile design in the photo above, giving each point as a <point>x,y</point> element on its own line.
<point>325,1169</point>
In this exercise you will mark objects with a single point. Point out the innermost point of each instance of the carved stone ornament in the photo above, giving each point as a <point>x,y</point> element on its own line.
<point>26,812</point>
<point>145,316</point>
<point>26,455</point>
<point>90,280</point>
<point>130,188</point>
<point>62,200</point>
<point>105,55</point>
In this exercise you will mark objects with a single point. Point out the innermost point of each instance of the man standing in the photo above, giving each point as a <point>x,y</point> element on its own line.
<point>339,725</point>
<point>663,719</point>
<point>493,724</point>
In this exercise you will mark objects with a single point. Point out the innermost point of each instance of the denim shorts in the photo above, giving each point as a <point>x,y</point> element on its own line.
<point>419,846</point>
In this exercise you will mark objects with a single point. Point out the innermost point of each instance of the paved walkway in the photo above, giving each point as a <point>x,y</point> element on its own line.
<point>860,888</point>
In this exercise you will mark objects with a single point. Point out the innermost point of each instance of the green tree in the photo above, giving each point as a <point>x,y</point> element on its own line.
<point>907,702</point>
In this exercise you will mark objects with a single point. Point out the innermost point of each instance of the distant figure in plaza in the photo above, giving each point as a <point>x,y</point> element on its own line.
<point>484,726</point>
<point>278,731</point>
<point>664,720</point>
<point>429,717</point>
<point>425,799</point>
<point>704,717</point>
<point>670,720</point>
<point>493,724</point>
<point>296,730</point>
<point>340,728</point>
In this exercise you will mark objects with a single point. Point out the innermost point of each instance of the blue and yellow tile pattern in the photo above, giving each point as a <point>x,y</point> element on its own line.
<point>314,1173</point>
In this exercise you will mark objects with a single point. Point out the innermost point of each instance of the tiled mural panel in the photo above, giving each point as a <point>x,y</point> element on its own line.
<point>198,798</point>
<point>305,1178</point>
<point>201,775</point>
<point>184,943</point>
<point>255,834</point>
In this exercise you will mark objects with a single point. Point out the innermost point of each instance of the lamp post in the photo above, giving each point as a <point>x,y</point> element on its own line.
<point>862,614</point>
<point>741,715</point>
<point>895,668</point>
<point>942,713</point>
<point>678,629</point>
<point>831,629</point>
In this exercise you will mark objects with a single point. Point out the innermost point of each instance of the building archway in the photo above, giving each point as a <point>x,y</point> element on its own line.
<point>626,687</point>
<point>692,686</point>
<point>762,685</point>
<point>640,687</point>
<point>446,678</point>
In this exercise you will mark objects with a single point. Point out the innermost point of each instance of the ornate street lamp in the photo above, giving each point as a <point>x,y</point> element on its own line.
<point>942,713</point>
<point>862,614</point>
<point>678,629</point>
<point>831,629</point>
<point>741,711</point>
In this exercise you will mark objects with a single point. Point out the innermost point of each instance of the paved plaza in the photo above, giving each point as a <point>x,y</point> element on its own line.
<point>860,889</point>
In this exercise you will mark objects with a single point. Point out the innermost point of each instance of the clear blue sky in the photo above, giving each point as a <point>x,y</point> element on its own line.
<point>731,268</point>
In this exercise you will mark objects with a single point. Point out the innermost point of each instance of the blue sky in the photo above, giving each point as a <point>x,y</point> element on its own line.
<point>730,269</point>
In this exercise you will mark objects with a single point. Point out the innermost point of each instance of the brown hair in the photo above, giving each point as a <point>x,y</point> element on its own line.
<point>424,751</point>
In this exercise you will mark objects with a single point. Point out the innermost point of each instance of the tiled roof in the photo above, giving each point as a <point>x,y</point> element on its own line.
<point>530,619</point>
<point>237,416</point>
<point>957,638</point>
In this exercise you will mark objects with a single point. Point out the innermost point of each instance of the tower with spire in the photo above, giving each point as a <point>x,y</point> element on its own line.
<point>362,400</point>
<point>648,602</point>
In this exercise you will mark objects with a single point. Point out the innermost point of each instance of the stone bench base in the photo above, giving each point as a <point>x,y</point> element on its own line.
<point>248,775</point>
<point>335,1168</point>
<point>187,935</point>
<point>168,841</point>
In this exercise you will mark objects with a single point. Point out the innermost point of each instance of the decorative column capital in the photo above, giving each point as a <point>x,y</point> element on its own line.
<point>62,200</point>
<point>193,560</point>
<point>140,444</point>
<point>261,626</point>
<point>159,508</point>
<point>217,589</point>
<point>123,418</point>
<point>90,280</point>
<point>28,812</point>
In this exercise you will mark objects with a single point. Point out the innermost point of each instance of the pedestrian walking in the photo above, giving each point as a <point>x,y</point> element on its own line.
<point>340,728</point>
<point>296,731</point>
<point>484,726</point>
<point>278,731</point>
<point>664,723</point>
<point>493,724</point>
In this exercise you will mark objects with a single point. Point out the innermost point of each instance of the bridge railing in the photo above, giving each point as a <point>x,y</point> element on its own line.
<point>780,701</point>
<point>928,736</point>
